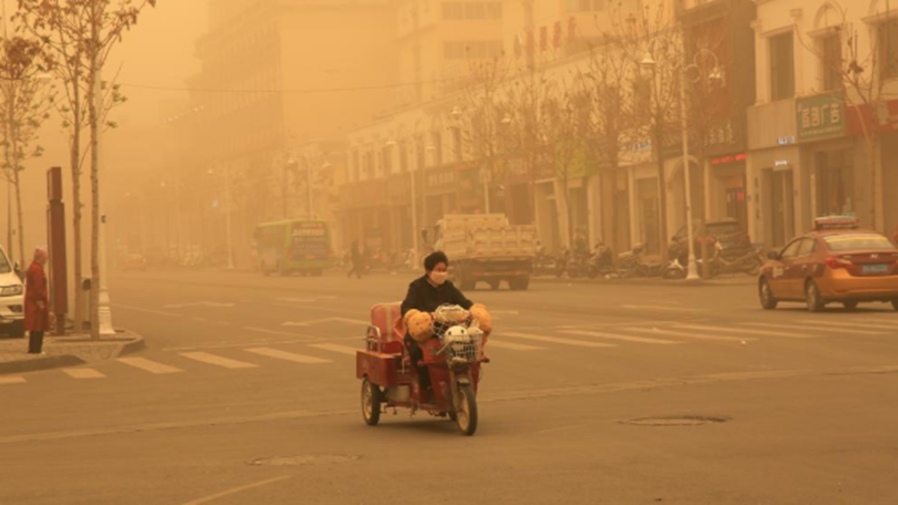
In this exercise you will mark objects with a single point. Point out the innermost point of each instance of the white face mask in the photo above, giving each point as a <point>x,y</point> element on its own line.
<point>439,278</point>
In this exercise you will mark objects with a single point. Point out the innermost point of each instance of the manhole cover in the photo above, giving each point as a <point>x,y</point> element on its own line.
<point>303,460</point>
<point>676,421</point>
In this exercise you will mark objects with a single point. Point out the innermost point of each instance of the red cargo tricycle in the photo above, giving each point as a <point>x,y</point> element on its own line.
<point>453,358</point>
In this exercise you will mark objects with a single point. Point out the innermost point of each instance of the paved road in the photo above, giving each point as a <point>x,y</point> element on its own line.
<point>241,369</point>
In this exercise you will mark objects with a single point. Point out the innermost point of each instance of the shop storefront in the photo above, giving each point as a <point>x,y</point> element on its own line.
<point>728,192</point>
<point>365,214</point>
<point>441,188</point>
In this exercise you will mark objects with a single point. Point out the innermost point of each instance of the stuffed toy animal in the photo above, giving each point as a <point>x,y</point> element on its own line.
<point>419,324</point>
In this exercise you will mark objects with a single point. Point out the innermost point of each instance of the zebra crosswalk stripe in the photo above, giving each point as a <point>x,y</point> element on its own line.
<point>742,331</point>
<point>149,365</point>
<point>870,326</point>
<point>212,359</point>
<point>814,328</point>
<point>83,373</point>
<point>624,338</point>
<point>287,356</point>
<point>12,380</point>
<point>501,344</point>
<point>556,340</point>
<point>681,334</point>
<point>339,349</point>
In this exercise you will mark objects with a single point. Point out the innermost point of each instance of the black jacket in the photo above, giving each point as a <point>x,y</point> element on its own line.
<point>422,295</point>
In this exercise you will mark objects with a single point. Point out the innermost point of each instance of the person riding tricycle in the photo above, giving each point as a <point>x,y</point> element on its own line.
<point>426,353</point>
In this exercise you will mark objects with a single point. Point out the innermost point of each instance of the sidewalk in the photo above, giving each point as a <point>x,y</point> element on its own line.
<point>65,351</point>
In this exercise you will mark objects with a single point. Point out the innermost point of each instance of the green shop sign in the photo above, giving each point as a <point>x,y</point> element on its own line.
<point>820,117</point>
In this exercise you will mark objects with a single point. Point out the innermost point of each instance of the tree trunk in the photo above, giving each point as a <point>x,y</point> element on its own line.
<point>662,192</point>
<point>94,119</point>
<point>21,225</point>
<point>75,160</point>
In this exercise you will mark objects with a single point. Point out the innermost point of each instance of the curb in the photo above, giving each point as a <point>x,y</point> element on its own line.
<point>137,344</point>
<point>36,364</point>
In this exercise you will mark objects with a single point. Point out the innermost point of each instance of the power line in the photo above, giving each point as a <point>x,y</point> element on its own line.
<point>289,90</point>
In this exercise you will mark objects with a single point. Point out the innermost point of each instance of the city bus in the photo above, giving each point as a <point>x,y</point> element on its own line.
<point>293,245</point>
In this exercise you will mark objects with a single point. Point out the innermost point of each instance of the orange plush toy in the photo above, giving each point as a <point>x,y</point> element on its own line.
<point>419,324</point>
<point>484,321</point>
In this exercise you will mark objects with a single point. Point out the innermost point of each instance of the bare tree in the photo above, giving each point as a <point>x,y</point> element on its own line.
<point>80,34</point>
<point>26,101</point>
<point>611,120</point>
<point>481,112</point>
<point>859,77</point>
<point>651,42</point>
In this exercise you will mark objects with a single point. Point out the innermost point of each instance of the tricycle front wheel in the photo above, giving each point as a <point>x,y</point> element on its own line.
<point>466,413</point>
<point>371,400</point>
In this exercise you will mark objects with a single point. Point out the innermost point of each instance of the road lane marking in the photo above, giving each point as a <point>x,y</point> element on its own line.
<point>244,343</point>
<point>680,334</point>
<point>200,304</point>
<point>841,331</point>
<point>499,344</point>
<point>83,373</point>
<point>212,359</point>
<point>149,366</point>
<point>148,311</point>
<point>304,324</point>
<point>288,356</point>
<point>744,331</point>
<point>271,332</point>
<point>233,491</point>
<point>12,380</point>
<point>871,326</point>
<point>625,338</point>
<point>663,307</point>
<point>340,349</point>
<point>556,340</point>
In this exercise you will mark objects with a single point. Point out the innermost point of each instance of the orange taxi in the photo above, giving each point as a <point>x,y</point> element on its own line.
<point>838,262</point>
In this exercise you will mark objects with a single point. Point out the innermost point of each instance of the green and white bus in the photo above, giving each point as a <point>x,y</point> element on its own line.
<point>294,245</point>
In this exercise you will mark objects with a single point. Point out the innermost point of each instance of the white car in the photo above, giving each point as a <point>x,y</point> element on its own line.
<point>12,299</point>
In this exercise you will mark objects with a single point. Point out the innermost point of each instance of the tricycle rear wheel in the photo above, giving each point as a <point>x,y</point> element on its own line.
<point>372,397</point>
<point>466,415</point>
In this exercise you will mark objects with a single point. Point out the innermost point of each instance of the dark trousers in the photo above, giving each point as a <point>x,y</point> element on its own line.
<point>356,269</point>
<point>417,354</point>
<point>35,342</point>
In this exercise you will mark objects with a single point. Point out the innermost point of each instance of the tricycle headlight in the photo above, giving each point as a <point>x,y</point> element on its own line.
<point>11,290</point>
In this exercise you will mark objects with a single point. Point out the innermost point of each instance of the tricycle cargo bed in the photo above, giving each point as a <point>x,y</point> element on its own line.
<point>380,368</point>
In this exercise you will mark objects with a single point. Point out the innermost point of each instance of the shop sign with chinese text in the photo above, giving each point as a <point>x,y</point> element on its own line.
<point>820,117</point>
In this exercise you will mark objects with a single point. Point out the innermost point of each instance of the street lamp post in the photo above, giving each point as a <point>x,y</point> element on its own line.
<point>227,174</point>
<point>692,272</point>
<point>715,74</point>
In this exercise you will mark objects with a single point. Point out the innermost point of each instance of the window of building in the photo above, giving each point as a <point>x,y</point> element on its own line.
<point>586,5</point>
<point>831,61</point>
<point>835,183</point>
<point>437,148</point>
<point>356,166</point>
<point>888,47</point>
<point>456,144</point>
<point>421,153</point>
<point>472,11</point>
<point>782,66</point>
<point>369,165</point>
<point>387,155</point>
<point>403,155</point>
